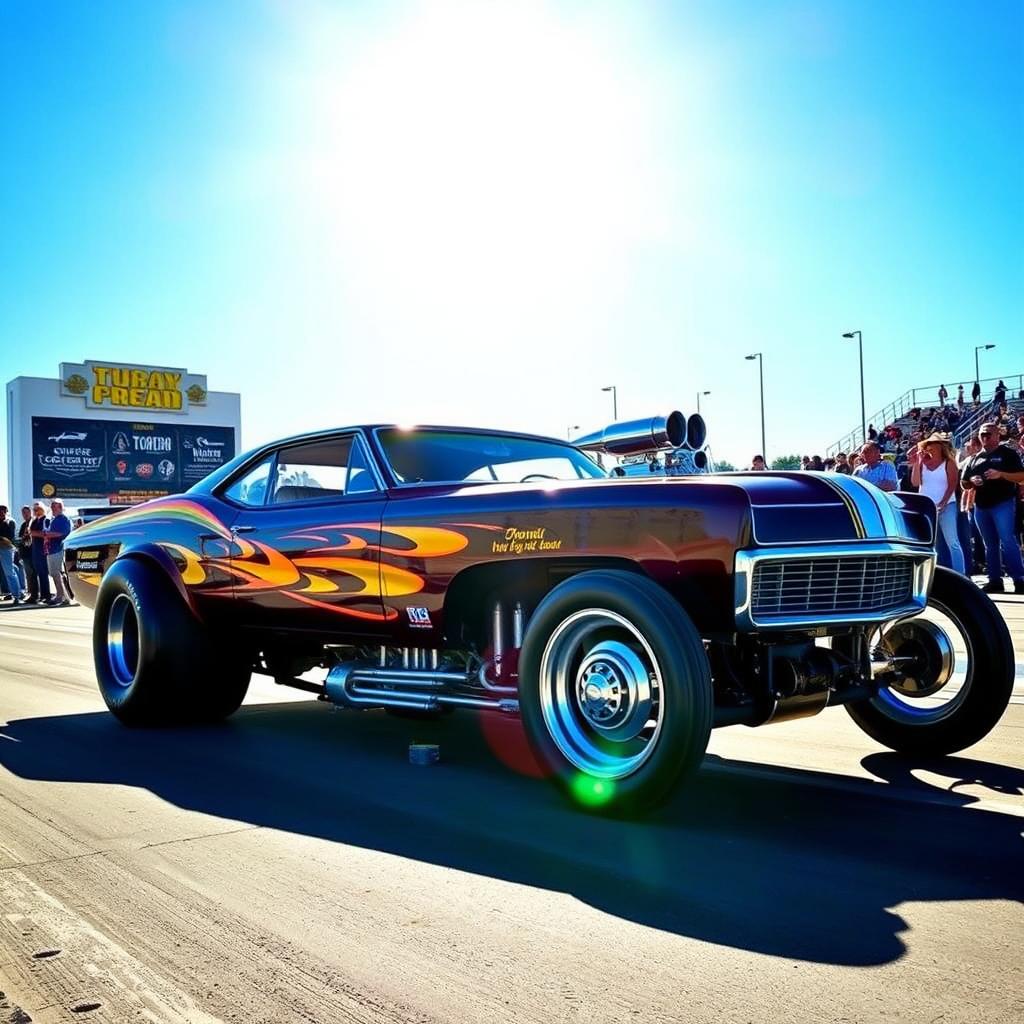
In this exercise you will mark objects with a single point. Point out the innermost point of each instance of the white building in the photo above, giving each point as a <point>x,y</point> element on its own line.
<point>110,432</point>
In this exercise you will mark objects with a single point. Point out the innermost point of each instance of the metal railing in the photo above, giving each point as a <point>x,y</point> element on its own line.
<point>928,398</point>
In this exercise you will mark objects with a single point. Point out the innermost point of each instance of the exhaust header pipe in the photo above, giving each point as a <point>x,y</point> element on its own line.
<point>637,436</point>
<point>696,432</point>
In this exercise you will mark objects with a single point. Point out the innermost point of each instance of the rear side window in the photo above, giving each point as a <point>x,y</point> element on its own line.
<point>321,469</point>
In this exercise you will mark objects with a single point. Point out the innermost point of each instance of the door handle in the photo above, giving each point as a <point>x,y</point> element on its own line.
<point>243,529</point>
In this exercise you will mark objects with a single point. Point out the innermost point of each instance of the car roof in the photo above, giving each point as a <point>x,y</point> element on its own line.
<point>215,478</point>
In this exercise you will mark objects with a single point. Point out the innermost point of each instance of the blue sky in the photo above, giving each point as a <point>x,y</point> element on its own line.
<point>484,212</point>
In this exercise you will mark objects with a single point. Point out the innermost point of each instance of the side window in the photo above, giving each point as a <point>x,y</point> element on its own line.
<point>321,469</point>
<point>360,475</point>
<point>251,489</point>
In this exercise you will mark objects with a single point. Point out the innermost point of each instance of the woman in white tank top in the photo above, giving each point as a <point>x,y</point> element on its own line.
<point>935,473</point>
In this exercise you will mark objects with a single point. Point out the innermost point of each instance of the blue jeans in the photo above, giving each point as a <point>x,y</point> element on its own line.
<point>965,533</point>
<point>7,573</point>
<point>996,525</point>
<point>951,555</point>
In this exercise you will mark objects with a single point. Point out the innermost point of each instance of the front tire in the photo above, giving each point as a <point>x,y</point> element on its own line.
<point>615,691</point>
<point>156,664</point>
<point>960,678</point>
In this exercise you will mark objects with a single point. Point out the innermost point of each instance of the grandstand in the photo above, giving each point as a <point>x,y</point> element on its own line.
<point>899,413</point>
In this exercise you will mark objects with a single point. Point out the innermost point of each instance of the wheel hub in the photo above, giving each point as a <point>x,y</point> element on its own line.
<point>925,657</point>
<point>614,690</point>
<point>123,640</point>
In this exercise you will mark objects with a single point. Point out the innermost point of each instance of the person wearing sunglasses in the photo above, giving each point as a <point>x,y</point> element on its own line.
<point>993,475</point>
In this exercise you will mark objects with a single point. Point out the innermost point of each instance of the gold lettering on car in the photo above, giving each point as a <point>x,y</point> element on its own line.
<point>523,542</point>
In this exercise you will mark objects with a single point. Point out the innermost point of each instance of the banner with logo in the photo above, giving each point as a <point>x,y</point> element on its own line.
<point>121,460</point>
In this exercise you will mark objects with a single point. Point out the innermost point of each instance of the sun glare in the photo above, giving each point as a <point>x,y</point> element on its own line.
<point>479,161</point>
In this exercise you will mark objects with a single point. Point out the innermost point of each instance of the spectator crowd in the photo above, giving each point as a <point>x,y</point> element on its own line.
<point>32,555</point>
<point>978,491</point>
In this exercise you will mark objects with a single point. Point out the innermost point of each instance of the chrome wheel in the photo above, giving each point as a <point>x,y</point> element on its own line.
<point>934,666</point>
<point>601,694</point>
<point>123,640</point>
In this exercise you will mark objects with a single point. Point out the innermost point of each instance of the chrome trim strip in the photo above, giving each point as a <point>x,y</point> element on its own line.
<point>747,560</point>
<point>798,504</point>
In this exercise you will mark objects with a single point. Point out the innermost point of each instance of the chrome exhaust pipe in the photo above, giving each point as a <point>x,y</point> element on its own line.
<point>636,436</point>
<point>696,432</point>
<point>353,686</point>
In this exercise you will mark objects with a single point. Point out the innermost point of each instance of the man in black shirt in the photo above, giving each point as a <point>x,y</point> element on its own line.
<point>991,474</point>
<point>25,553</point>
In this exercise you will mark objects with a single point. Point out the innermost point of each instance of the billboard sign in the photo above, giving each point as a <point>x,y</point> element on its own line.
<point>122,460</point>
<point>106,385</point>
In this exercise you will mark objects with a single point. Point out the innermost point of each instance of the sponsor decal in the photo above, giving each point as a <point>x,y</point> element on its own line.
<point>515,541</point>
<point>165,469</point>
<point>418,617</point>
<point>121,466</point>
<point>120,444</point>
<point>144,469</point>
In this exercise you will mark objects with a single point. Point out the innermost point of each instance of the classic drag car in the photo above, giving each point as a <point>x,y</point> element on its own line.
<point>433,568</point>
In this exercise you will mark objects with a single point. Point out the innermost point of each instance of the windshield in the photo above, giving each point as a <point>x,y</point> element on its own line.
<point>453,456</point>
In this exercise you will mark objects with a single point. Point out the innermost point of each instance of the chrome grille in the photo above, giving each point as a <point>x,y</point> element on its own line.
<point>802,587</point>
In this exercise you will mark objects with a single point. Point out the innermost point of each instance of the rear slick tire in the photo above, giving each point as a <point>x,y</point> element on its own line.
<point>615,691</point>
<point>985,690</point>
<point>156,664</point>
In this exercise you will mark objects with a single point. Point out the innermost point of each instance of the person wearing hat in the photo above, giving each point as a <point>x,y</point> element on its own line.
<point>934,472</point>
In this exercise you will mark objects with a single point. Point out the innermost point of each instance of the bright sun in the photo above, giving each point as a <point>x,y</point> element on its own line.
<point>476,160</point>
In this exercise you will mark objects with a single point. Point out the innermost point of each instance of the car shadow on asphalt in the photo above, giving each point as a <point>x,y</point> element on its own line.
<point>805,872</point>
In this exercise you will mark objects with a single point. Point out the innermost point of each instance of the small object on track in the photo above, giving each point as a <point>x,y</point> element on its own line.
<point>424,753</point>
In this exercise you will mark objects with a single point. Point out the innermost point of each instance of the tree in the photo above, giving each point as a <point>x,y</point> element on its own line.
<point>786,462</point>
<point>723,466</point>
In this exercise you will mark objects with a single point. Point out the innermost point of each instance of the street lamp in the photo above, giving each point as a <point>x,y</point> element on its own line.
<point>569,431</point>
<point>699,393</point>
<point>977,349</point>
<point>760,366</point>
<point>863,418</point>
<point>615,401</point>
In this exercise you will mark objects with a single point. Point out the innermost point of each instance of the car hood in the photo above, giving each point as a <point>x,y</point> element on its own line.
<point>785,508</point>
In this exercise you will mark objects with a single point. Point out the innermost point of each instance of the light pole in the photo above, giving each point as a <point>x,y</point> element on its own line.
<point>977,349</point>
<point>760,366</point>
<point>863,418</point>
<point>570,430</point>
<point>699,393</point>
<point>615,401</point>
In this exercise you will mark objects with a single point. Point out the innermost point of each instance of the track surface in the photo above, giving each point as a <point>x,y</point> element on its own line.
<point>290,865</point>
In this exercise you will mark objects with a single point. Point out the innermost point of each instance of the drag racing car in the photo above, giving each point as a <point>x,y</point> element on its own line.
<point>425,569</point>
